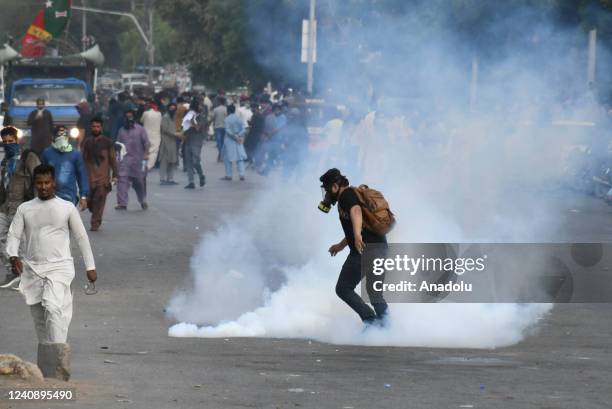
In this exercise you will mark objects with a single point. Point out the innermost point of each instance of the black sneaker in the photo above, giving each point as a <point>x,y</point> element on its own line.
<point>190,186</point>
<point>10,280</point>
<point>202,180</point>
<point>144,206</point>
<point>374,322</point>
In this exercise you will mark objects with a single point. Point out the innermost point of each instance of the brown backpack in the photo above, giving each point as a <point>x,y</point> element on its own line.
<point>377,216</point>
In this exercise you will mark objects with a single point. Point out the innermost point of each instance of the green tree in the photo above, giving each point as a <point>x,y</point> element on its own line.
<point>212,41</point>
<point>133,49</point>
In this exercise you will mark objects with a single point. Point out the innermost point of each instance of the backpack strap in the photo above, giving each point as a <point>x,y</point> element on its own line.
<point>359,196</point>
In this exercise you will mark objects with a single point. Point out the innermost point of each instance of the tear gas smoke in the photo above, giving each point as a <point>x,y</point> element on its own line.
<point>453,171</point>
<point>267,273</point>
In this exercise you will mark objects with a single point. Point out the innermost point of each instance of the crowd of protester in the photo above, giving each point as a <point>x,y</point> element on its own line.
<point>251,131</point>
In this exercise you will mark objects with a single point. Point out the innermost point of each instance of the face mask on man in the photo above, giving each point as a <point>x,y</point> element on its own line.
<point>62,143</point>
<point>129,123</point>
<point>11,149</point>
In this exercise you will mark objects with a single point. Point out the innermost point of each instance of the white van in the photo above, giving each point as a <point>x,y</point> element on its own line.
<point>134,78</point>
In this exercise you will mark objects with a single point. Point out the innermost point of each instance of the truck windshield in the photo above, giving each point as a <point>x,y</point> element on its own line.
<point>54,94</point>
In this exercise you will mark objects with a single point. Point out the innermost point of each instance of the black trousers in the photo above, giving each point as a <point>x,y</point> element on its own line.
<point>349,278</point>
<point>192,152</point>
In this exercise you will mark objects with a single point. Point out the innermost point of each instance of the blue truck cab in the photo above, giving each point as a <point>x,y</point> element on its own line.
<point>61,96</point>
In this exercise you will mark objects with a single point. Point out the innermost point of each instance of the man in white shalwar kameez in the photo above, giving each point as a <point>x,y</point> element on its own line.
<point>151,122</point>
<point>47,267</point>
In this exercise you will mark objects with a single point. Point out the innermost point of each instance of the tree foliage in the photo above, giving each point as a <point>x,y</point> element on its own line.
<point>133,50</point>
<point>249,42</point>
<point>212,40</point>
<point>231,42</point>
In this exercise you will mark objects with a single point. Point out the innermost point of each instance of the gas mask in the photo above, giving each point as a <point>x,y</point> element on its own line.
<point>329,199</point>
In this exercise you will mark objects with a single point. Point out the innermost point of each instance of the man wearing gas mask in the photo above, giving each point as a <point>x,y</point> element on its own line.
<point>336,189</point>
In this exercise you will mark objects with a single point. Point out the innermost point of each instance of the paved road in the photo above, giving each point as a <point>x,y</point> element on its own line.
<point>122,357</point>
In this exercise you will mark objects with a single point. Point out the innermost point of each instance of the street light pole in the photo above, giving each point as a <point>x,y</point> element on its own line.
<point>592,59</point>
<point>148,39</point>
<point>145,38</point>
<point>84,34</point>
<point>311,42</point>
<point>151,47</point>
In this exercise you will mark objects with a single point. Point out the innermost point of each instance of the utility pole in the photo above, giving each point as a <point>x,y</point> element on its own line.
<point>474,83</point>
<point>151,46</point>
<point>592,59</point>
<point>84,34</point>
<point>146,38</point>
<point>311,43</point>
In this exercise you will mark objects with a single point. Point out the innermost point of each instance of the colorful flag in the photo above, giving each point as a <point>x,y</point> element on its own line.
<point>50,22</point>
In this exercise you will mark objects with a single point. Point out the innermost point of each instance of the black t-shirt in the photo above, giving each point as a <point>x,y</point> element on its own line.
<point>347,200</point>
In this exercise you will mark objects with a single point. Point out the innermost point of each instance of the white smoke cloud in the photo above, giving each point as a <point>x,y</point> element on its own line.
<point>450,173</point>
<point>306,307</point>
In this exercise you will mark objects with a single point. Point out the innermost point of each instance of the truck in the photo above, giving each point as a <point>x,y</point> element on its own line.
<point>63,82</point>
